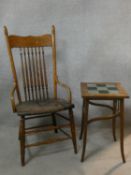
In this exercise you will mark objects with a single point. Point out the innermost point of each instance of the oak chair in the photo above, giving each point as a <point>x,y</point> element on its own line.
<point>32,95</point>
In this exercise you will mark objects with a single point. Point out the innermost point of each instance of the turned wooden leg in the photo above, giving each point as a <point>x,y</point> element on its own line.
<point>122,129</point>
<point>22,140</point>
<point>73,131</point>
<point>114,120</point>
<point>82,122</point>
<point>19,134</point>
<point>85,121</point>
<point>54,122</point>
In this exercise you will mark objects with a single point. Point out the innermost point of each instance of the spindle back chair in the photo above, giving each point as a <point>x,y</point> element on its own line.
<point>36,101</point>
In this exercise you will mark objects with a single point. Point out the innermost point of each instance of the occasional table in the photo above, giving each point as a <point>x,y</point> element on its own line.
<point>113,92</point>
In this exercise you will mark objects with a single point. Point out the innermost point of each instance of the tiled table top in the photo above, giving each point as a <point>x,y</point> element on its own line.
<point>103,90</point>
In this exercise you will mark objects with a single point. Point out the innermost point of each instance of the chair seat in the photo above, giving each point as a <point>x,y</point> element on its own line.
<point>39,107</point>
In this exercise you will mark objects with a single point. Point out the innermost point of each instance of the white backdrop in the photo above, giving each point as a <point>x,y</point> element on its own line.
<point>93,42</point>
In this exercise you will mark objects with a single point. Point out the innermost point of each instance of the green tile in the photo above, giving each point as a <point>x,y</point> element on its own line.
<point>103,92</point>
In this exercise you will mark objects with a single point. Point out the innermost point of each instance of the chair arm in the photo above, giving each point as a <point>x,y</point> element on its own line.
<point>12,99</point>
<point>68,90</point>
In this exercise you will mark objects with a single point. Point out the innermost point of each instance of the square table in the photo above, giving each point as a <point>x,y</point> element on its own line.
<point>114,92</point>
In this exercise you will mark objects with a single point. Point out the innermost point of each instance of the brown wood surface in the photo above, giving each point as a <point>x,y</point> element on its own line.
<point>30,41</point>
<point>36,88</point>
<point>85,94</point>
<point>117,111</point>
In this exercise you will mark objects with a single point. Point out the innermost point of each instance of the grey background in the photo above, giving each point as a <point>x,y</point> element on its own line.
<point>93,41</point>
<point>93,44</point>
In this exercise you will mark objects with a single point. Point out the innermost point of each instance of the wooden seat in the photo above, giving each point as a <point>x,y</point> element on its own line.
<point>39,107</point>
<point>36,90</point>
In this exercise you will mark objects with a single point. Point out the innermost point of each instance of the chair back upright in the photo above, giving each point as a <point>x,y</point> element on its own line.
<point>34,68</point>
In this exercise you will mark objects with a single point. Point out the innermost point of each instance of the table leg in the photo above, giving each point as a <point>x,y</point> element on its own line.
<point>114,120</point>
<point>122,129</point>
<point>85,124</point>
<point>82,122</point>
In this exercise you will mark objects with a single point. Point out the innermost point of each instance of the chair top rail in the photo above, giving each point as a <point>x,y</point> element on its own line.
<point>30,41</point>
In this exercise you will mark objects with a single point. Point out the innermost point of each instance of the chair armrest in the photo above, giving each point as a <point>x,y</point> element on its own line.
<point>12,99</point>
<point>68,90</point>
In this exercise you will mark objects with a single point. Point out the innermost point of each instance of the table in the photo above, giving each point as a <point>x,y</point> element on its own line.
<point>114,92</point>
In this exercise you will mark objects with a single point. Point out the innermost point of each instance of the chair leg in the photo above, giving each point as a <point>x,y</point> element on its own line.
<point>73,132</point>
<point>22,140</point>
<point>54,122</point>
<point>19,134</point>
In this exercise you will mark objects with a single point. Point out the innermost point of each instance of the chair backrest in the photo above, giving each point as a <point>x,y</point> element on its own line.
<point>31,51</point>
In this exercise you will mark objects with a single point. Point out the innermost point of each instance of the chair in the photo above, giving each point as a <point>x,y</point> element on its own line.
<point>35,93</point>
